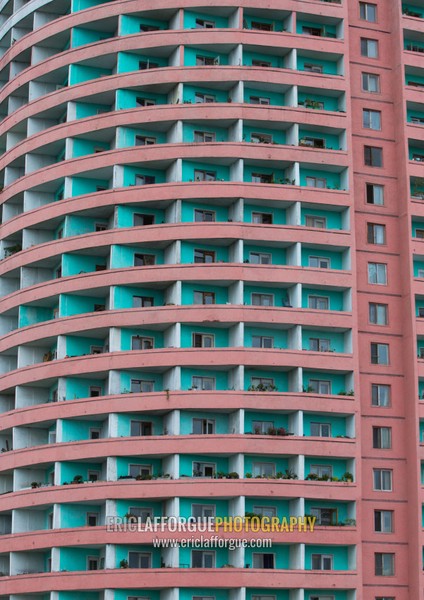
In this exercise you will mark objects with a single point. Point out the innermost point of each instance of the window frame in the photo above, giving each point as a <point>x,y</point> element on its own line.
<point>376,395</point>
<point>376,310</point>
<point>363,12</point>
<point>385,476</point>
<point>365,47</point>
<point>373,156</point>
<point>378,352</point>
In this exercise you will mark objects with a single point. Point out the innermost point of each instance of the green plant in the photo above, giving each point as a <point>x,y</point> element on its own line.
<point>35,484</point>
<point>311,477</point>
<point>289,474</point>
<point>232,475</point>
<point>248,475</point>
<point>123,564</point>
<point>347,477</point>
<point>77,479</point>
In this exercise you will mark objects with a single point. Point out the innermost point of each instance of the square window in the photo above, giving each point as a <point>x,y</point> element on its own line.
<point>262,218</point>
<point>264,560</point>
<point>262,299</point>
<point>262,341</point>
<point>371,119</point>
<point>202,559</point>
<point>203,297</point>
<point>376,234</point>
<point>368,12</point>
<point>383,521</point>
<point>379,354</point>
<point>382,437</point>
<point>377,273</point>
<point>384,563</point>
<point>322,562</point>
<point>382,479</point>
<point>375,194</point>
<point>373,156</point>
<point>318,222</point>
<point>319,262</point>
<point>378,313</point>
<point>380,394</point>
<point>369,48</point>
<point>204,216</point>
<point>319,302</point>
<point>371,83</point>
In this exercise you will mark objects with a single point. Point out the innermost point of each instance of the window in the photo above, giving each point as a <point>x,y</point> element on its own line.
<point>371,83</point>
<point>139,428</point>
<point>204,136</point>
<point>262,427</point>
<point>319,386</point>
<point>95,391</point>
<point>321,429</point>
<point>369,48</point>
<point>147,28</point>
<point>380,394</point>
<point>92,519</point>
<point>368,12</point>
<point>262,299</point>
<point>262,341</point>
<point>373,156</point>
<point>262,177</point>
<point>313,68</point>
<point>377,273</point>
<point>261,63</point>
<point>322,562</point>
<point>262,26</point>
<point>143,140</point>
<point>140,219</point>
<point>417,120</point>
<point>312,142</point>
<point>200,98</point>
<point>144,260</point>
<point>421,312</point>
<point>371,119</point>
<point>264,560</point>
<point>318,222</point>
<point>143,301</point>
<point>262,218</point>
<point>100,227</point>
<point>92,563</point>
<point>317,182</point>
<point>260,258</point>
<point>319,344</point>
<point>376,234</point>
<point>322,470</point>
<point>379,354</point>
<point>203,297</point>
<point>203,383</point>
<point>319,262</point>
<point>384,563</point>
<point>201,469</point>
<point>203,511</point>
<point>141,385</point>
<point>324,516</point>
<point>203,24</point>
<point>419,233</point>
<point>382,479</point>
<point>265,511</point>
<point>382,437</point>
<point>319,302</point>
<point>306,30</point>
<point>94,433</point>
<point>201,175</point>
<point>144,179</point>
<point>259,100</point>
<point>93,475</point>
<point>145,102</point>
<point>383,521</point>
<point>147,64</point>
<point>202,559</point>
<point>206,60</point>
<point>261,138</point>
<point>378,313</point>
<point>99,307</point>
<point>265,383</point>
<point>141,514</point>
<point>203,426</point>
<point>139,470</point>
<point>203,216</point>
<point>203,340</point>
<point>139,560</point>
<point>385,598</point>
<point>204,256</point>
<point>375,194</point>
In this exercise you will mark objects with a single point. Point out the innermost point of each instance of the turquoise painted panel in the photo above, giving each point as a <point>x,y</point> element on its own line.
<point>280,378</point>
<point>335,257</point>
<point>277,420</point>
<point>81,36</point>
<point>128,62</point>
<point>191,54</point>
<point>336,339</point>
<point>280,295</point>
<point>189,93</point>
<point>221,378</point>
<point>418,266</point>
<point>128,98</point>
<point>130,24</point>
<point>278,594</point>
<point>340,553</point>
<point>278,136</point>
<point>73,430</point>
<point>188,209</point>
<point>186,506</point>
<point>333,219</point>
<point>186,421</point>
<point>75,515</point>
<point>77,346</point>
<point>187,460</point>
<point>77,5</point>
<point>412,8</point>
<point>222,173</point>
<point>421,389</point>
<point>280,463</point>
<point>122,552</point>
<point>126,136</point>
<point>80,185</point>
<point>143,593</point>
<point>247,22</point>
<point>130,174</point>
<point>123,507</point>
<point>82,147</point>
<point>221,335</point>
<point>124,423</point>
<point>125,215</point>
<point>279,336</point>
<point>221,134</point>
<point>410,114</point>
<point>278,175</point>
<point>339,466</point>
<point>332,179</point>
<point>421,431</point>
<point>190,19</point>
<point>326,30</point>
<point>188,248</point>
<point>80,388</point>
<point>412,78</point>
<point>124,256</point>
<point>76,225</point>
<point>144,376</point>
<point>275,98</point>
<point>123,465</point>
<point>77,305</point>
<point>188,289</point>
<point>281,555</point>
<point>29,315</point>
<point>73,264</point>
<point>330,103</point>
<point>71,469</point>
<point>341,508</point>
<point>338,383</point>
<point>222,557</point>
<point>275,61</point>
<point>329,67</point>
<point>331,140</point>
<point>81,595</point>
<point>278,255</point>
<point>81,73</point>
<point>278,214</point>
<point>336,298</point>
<point>127,334</point>
<point>282,507</point>
<point>76,559</point>
<point>123,296</point>
<point>86,109</point>
<point>338,424</point>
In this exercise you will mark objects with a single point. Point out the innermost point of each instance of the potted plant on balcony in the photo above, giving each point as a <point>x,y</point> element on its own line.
<point>123,564</point>
<point>78,479</point>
